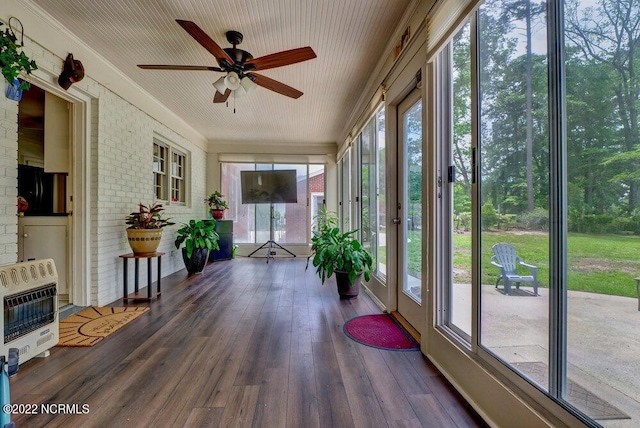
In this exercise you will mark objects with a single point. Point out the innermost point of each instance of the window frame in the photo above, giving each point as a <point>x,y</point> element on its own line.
<point>165,179</point>
<point>353,204</point>
<point>558,195</point>
<point>178,179</point>
<point>160,180</point>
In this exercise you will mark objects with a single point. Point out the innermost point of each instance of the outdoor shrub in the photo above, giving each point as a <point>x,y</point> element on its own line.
<point>592,223</point>
<point>627,225</point>
<point>462,221</point>
<point>489,215</point>
<point>538,219</point>
<point>506,221</point>
<point>604,223</point>
<point>461,199</point>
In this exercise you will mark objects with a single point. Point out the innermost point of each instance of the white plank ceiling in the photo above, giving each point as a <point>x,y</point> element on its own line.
<point>348,36</point>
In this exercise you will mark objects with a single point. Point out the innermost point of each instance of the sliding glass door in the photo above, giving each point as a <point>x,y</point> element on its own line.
<point>514,186</point>
<point>541,150</point>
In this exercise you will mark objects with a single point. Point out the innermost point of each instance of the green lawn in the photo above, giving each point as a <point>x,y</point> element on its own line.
<point>604,264</point>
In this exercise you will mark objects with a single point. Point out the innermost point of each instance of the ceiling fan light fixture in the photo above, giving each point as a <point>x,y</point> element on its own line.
<point>219,85</point>
<point>240,92</point>
<point>248,85</point>
<point>232,81</point>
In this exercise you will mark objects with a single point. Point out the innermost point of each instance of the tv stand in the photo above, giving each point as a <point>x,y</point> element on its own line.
<point>270,244</point>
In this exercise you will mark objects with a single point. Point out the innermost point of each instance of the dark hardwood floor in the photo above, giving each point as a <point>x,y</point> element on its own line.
<point>244,344</point>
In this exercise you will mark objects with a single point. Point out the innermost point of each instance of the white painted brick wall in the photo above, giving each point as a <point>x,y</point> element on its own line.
<point>8,178</point>
<point>121,166</point>
<point>124,148</point>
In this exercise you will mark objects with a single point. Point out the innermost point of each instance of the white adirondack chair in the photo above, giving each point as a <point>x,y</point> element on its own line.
<point>507,260</point>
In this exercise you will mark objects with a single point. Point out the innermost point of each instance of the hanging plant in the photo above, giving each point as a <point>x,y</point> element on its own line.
<point>12,60</point>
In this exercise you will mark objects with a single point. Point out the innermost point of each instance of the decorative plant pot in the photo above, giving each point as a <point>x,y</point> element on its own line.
<point>13,90</point>
<point>144,241</point>
<point>198,260</point>
<point>345,290</point>
<point>217,214</point>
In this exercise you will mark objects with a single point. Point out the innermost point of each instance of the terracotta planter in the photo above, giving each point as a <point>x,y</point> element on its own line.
<point>345,290</point>
<point>217,214</point>
<point>144,241</point>
<point>198,260</point>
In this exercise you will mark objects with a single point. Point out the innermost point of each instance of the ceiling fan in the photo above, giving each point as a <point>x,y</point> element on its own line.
<point>239,65</point>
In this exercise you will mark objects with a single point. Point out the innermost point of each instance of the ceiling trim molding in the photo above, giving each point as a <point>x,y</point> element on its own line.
<point>278,148</point>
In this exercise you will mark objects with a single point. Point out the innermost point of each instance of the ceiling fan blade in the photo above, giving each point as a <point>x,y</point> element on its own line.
<point>220,98</point>
<point>178,67</point>
<point>275,86</point>
<point>280,59</point>
<point>206,41</point>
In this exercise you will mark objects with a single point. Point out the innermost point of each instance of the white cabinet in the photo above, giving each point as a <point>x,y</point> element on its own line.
<point>46,237</point>
<point>56,134</point>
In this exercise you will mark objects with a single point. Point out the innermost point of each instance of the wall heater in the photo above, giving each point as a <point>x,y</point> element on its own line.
<point>28,292</point>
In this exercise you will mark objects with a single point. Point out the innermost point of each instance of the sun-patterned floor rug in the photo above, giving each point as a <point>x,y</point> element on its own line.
<point>90,326</point>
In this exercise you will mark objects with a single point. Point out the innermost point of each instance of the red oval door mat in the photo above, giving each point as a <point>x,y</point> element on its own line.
<point>379,331</point>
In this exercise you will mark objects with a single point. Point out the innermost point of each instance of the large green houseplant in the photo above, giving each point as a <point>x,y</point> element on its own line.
<point>333,251</point>
<point>199,237</point>
<point>145,226</point>
<point>13,61</point>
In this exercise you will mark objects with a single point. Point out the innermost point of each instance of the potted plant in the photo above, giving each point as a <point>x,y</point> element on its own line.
<point>333,251</point>
<point>199,237</point>
<point>13,61</point>
<point>145,228</point>
<point>217,204</point>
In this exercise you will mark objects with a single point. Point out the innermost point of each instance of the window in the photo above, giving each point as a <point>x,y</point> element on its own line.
<point>456,158</point>
<point>370,152</point>
<point>554,140</point>
<point>345,190</point>
<point>160,185</point>
<point>286,223</point>
<point>514,180</point>
<point>170,168</point>
<point>380,221</point>
<point>602,64</point>
<point>178,177</point>
<point>367,187</point>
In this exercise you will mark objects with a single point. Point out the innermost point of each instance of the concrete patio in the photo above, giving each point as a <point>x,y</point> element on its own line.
<point>603,340</point>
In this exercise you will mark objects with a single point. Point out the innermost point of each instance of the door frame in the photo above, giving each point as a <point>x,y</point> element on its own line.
<point>405,82</point>
<point>414,315</point>
<point>79,239</point>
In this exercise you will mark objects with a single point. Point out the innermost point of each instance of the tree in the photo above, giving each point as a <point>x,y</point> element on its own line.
<point>462,106</point>
<point>518,11</point>
<point>609,34</point>
<point>591,135</point>
<point>514,121</point>
<point>413,140</point>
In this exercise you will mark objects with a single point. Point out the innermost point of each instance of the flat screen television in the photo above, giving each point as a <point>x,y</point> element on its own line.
<point>269,186</point>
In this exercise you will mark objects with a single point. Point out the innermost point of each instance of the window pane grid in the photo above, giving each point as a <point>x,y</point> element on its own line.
<point>170,171</point>
<point>178,177</point>
<point>160,154</point>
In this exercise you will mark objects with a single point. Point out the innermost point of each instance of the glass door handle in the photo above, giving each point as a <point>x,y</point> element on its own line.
<point>396,220</point>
